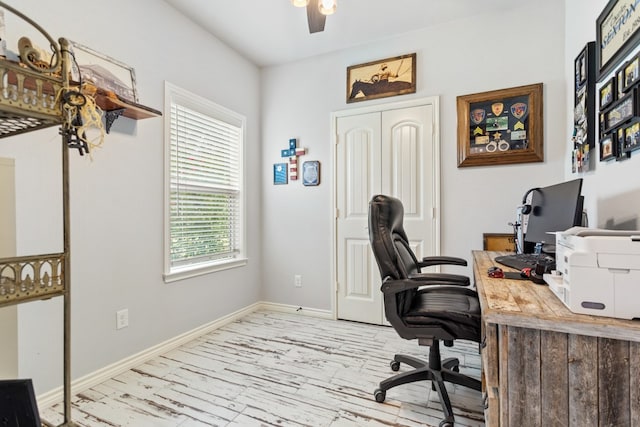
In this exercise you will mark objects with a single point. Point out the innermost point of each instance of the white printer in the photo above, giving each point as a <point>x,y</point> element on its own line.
<point>598,272</point>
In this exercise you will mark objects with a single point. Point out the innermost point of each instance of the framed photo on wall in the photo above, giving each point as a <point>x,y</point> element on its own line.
<point>621,111</point>
<point>631,73</point>
<point>381,78</point>
<point>311,173</point>
<point>500,127</point>
<point>608,147</point>
<point>617,33</point>
<point>607,93</point>
<point>632,136</point>
<point>280,173</point>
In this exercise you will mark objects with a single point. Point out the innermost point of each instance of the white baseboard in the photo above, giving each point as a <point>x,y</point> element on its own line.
<point>90,380</point>
<point>295,309</point>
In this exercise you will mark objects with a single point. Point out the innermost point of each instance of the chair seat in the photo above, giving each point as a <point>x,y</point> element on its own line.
<point>455,309</point>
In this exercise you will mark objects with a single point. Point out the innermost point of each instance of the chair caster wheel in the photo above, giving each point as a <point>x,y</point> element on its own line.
<point>456,368</point>
<point>380,395</point>
<point>395,366</point>
<point>446,423</point>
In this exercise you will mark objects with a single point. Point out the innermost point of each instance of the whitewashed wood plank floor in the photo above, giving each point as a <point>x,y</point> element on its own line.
<point>277,369</point>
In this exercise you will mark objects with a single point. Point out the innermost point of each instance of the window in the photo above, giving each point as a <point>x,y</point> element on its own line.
<point>204,193</point>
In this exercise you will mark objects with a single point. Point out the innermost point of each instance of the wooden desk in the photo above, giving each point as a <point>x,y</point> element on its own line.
<point>546,366</point>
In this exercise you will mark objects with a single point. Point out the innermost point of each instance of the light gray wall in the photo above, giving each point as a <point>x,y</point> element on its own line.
<point>522,46</point>
<point>117,199</point>
<point>612,192</point>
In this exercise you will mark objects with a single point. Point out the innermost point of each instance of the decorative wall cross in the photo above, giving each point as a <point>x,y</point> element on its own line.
<point>293,152</point>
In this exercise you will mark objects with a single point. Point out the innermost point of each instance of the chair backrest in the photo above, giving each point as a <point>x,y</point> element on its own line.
<point>390,244</point>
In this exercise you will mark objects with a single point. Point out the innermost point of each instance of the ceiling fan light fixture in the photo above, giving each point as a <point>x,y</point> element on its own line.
<point>300,3</point>
<point>327,7</point>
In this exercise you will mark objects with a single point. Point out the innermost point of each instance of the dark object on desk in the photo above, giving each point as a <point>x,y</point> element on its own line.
<point>18,406</point>
<point>495,272</point>
<point>540,269</point>
<point>522,261</point>
<point>419,311</point>
<point>553,208</point>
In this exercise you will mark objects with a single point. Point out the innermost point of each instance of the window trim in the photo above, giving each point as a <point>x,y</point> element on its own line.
<point>175,94</point>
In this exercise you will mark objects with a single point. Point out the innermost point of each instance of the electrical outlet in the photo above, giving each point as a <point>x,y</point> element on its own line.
<point>297,280</point>
<point>122,318</point>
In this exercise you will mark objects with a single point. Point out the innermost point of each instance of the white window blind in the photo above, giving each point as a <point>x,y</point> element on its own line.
<point>205,186</point>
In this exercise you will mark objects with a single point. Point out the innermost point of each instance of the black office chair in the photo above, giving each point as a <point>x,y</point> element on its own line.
<point>429,307</point>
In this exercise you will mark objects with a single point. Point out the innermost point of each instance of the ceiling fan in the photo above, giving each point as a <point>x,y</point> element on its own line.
<point>317,11</point>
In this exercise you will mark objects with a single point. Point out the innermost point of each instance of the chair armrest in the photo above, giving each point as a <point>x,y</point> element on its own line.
<point>390,286</point>
<point>428,261</point>
<point>449,279</point>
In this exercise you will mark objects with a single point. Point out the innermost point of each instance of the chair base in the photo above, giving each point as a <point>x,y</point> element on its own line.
<point>436,370</point>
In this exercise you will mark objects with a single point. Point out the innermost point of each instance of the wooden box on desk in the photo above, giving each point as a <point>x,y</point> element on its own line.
<point>498,242</point>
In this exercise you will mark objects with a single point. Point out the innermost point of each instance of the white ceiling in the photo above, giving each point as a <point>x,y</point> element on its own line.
<point>272,32</point>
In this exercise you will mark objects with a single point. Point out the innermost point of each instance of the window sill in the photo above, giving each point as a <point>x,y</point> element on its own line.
<point>189,272</point>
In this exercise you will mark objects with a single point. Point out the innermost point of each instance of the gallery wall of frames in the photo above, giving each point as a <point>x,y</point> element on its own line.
<point>607,89</point>
<point>619,114</point>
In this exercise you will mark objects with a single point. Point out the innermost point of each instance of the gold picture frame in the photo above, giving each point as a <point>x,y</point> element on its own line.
<point>500,127</point>
<point>382,78</point>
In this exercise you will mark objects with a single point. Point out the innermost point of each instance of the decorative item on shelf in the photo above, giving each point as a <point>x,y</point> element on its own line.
<point>82,115</point>
<point>382,78</point>
<point>110,75</point>
<point>37,56</point>
<point>583,138</point>
<point>311,173</point>
<point>293,152</point>
<point>500,127</point>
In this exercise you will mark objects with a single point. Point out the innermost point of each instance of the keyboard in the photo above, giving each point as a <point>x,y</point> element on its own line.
<point>520,261</point>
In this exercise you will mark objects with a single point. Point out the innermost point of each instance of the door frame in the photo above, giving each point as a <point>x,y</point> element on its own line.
<point>435,133</point>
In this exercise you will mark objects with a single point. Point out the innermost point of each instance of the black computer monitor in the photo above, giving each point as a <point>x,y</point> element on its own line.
<point>553,208</point>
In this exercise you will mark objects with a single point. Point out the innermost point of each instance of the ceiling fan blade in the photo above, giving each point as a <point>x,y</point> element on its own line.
<point>315,18</point>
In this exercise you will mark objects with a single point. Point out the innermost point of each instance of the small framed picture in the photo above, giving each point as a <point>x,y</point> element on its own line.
<point>623,110</point>
<point>631,73</point>
<point>581,68</point>
<point>632,137</point>
<point>280,173</point>
<point>608,147</point>
<point>607,93</point>
<point>311,173</point>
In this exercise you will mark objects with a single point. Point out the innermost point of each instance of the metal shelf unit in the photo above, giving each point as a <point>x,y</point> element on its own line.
<point>30,99</point>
